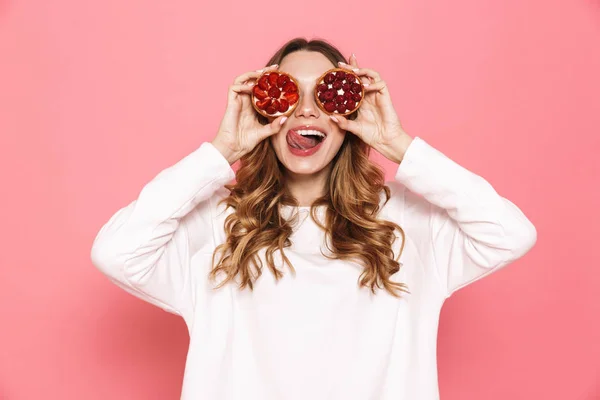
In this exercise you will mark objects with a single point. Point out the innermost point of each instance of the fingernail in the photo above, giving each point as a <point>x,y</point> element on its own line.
<point>274,66</point>
<point>342,63</point>
<point>354,55</point>
<point>355,69</point>
<point>334,118</point>
<point>260,70</point>
<point>250,83</point>
<point>366,84</point>
<point>282,121</point>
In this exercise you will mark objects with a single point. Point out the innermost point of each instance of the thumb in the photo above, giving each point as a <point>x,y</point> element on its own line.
<point>346,124</point>
<point>272,128</point>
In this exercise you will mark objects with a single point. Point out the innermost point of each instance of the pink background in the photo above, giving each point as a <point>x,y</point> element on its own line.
<point>98,97</point>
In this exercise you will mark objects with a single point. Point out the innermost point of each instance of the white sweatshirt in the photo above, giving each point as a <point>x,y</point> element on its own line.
<point>316,335</point>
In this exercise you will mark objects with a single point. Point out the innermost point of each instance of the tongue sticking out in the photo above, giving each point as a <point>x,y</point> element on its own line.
<point>298,141</point>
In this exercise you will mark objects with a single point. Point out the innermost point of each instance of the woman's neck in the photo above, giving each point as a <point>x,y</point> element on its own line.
<point>307,188</point>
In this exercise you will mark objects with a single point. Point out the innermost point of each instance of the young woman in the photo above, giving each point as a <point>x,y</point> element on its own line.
<point>310,277</point>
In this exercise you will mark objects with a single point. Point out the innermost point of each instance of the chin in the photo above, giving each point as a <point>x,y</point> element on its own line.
<point>303,168</point>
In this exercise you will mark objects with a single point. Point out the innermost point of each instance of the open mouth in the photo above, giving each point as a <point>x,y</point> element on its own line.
<point>305,139</point>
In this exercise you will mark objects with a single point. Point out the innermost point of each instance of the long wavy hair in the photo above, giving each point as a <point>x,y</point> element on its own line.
<point>351,202</point>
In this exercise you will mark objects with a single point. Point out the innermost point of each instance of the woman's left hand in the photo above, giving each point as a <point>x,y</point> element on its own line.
<point>377,123</point>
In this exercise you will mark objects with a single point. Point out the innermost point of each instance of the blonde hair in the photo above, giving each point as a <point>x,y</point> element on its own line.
<point>352,203</point>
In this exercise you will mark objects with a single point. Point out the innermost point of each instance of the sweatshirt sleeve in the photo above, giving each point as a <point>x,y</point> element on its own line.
<point>145,247</point>
<point>464,227</point>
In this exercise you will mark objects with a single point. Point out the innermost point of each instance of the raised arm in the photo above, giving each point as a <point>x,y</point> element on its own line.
<point>146,246</point>
<point>469,229</point>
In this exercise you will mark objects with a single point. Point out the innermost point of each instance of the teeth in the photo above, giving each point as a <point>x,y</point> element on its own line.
<point>311,132</point>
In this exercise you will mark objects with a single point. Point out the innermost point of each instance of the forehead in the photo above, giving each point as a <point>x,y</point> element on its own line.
<point>306,66</point>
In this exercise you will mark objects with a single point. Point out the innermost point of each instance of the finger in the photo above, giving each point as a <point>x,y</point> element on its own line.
<point>353,61</point>
<point>272,128</point>
<point>252,75</point>
<point>380,87</point>
<point>346,124</point>
<point>368,73</point>
<point>245,88</point>
<point>241,89</point>
<point>348,67</point>
<point>247,76</point>
<point>354,127</point>
<point>355,69</point>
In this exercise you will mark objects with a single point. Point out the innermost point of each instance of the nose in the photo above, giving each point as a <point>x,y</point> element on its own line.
<point>307,108</point>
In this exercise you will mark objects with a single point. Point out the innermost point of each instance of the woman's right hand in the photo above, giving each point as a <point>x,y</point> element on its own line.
<point>240,130</point>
